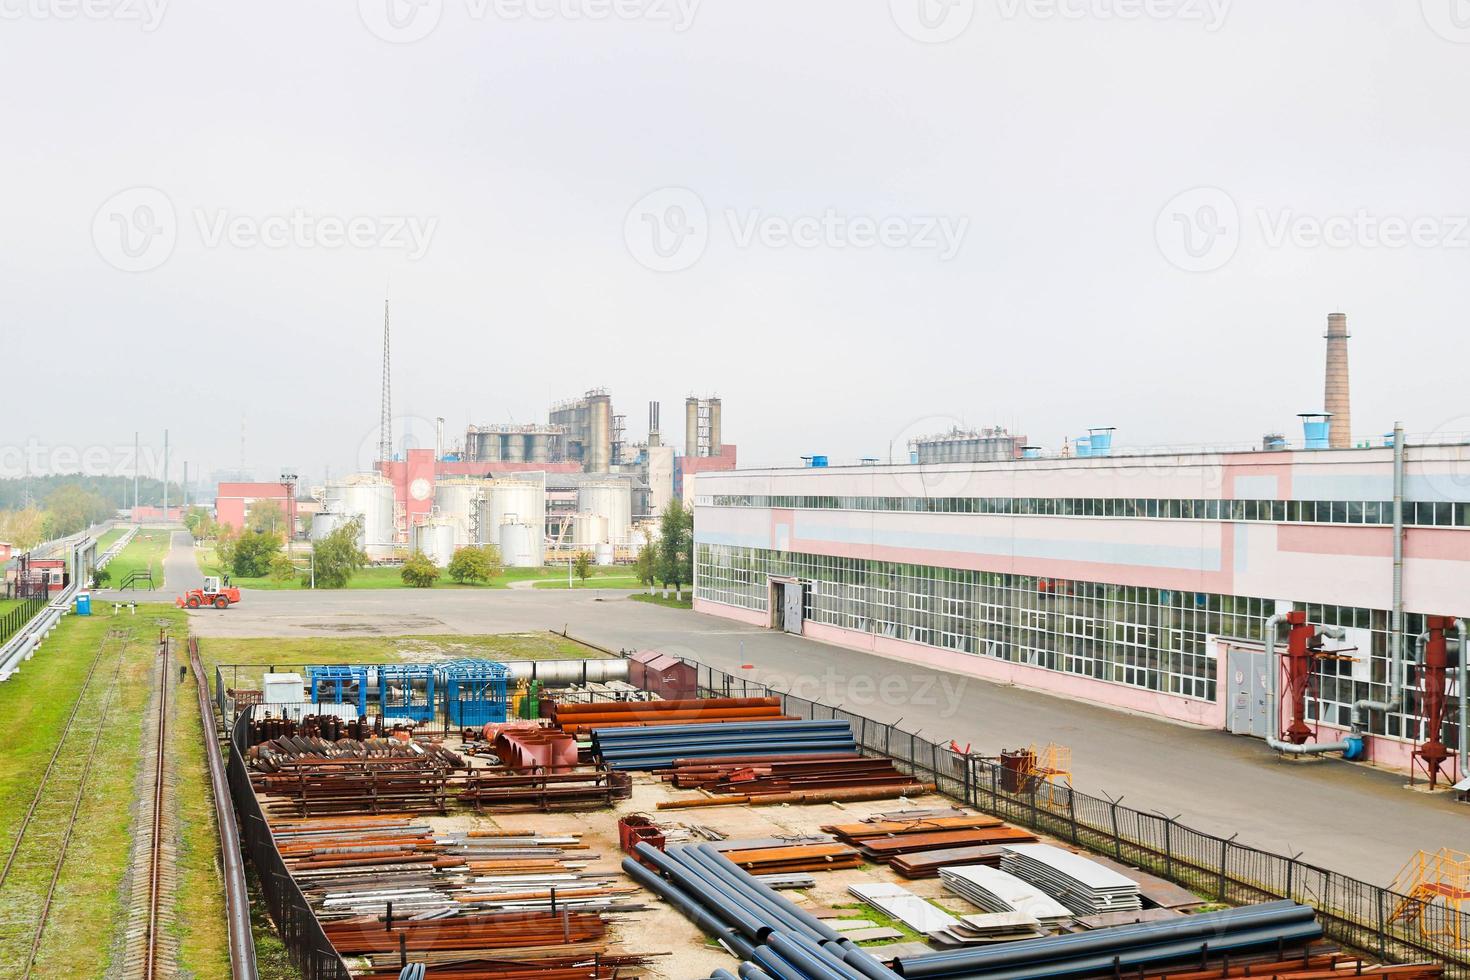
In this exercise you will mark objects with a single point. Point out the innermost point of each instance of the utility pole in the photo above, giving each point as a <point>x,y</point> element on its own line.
<point>165,475</point>
<point>136,456</point>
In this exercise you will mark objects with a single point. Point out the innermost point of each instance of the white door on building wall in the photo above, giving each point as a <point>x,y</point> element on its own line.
<point>1246,679</point>
<point>791,607</point>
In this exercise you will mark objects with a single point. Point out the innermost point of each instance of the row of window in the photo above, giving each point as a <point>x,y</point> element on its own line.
<point>1156,639</point>
<point>1418,513</point>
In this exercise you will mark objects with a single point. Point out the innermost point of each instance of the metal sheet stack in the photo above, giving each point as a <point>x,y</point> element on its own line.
<point>994,890</point>
<point>1082,885</point>
<point>657,747</point>
<point>579,717</point>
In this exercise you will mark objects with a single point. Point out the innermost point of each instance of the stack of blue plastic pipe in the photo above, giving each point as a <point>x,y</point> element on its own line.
<point>657,746</point>
<point>1285,925</point>
<point>777,940</point>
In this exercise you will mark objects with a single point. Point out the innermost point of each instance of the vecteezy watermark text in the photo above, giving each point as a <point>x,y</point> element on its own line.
<point>407,21</point>
<point>147,14</point>
<point>1202,229</point>
<point>36,458</point>
<point>136,230</point>
<point>669,230</point>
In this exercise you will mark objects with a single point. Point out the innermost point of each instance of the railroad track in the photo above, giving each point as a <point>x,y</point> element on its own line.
<point>149,950</point>
<point>43,840</point>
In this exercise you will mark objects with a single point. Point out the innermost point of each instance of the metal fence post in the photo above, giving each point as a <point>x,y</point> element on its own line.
<point>1117,836</point>
<point>1290,873</point>
<point>1224,861</point>
<point>1072,812</point>
<point>1168,848</point>
<point>1382,926</point>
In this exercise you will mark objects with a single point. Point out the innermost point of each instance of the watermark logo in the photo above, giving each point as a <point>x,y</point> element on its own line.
<point>406,433</point>
<point>670,229</point>
<point>136,229</point>
<point>1199,230</point>
<point>667,230</point>
<point>407,21</point>
<point>401,21</point>
<point>1211,14</point>
<point>36,458</point>
<point>1450,19</point>
<point>933,21</point>
<point>147,14</point>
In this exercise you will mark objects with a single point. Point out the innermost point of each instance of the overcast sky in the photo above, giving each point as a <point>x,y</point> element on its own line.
<point>855,220</point>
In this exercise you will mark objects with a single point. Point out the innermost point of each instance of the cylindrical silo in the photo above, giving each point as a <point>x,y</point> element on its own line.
<point>714,427</point>
<point>691,427</point>
<point>589,530</point>
<point>436,539</point>
<point>522,545</point>
<point>512,501</point>
<point>324,523</point>
<point>602,554</point>
<point>371,498</point>
<point>612,500</point>
<point>457,501</point>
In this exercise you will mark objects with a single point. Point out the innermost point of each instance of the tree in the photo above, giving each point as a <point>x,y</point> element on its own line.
<point>224,546</point>
<point>25,528</point>
<point>70,509</point>
<point>419,572</point>
<point>282,568</point>
<point>582,565</point>
<point>645,566</point>
<point>493,563</point>
<point>337,556</point>
<point>267,515</point>
<point>676,547</point>
<point>254,553</point>
<point>101,577</point>
<point>472,564</point>
<point>199,524</point>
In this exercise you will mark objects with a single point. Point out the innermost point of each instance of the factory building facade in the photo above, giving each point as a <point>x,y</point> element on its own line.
<point>1140,583</point>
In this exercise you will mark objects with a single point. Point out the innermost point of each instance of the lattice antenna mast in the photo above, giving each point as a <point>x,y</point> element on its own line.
<point>385,425</point>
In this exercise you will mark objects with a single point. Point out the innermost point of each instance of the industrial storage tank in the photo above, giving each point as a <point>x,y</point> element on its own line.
<point>325,523</point>
<point>457,501</point>
<point>602,554</point>
<point>436,540</point>
<point>589,530</point>
<point>371,498</point>
<point>512,501</point>
<point>612,500</point>
<point>522,546</point>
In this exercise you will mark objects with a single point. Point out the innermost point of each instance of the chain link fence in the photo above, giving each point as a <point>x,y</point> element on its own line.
<point>1365,917</point>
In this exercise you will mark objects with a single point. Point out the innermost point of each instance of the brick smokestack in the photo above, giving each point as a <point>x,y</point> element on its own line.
<point>1338,400</point>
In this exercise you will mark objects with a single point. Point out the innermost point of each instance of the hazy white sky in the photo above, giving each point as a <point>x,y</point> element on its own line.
<point>852,219</point>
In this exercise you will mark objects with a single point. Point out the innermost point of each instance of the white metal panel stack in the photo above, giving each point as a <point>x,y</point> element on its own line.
<point>1083,885</point>
<point>995,890</point>
<point>899,903</point>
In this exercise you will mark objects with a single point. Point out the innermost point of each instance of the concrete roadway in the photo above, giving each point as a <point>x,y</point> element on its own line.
<point>1349,818</point>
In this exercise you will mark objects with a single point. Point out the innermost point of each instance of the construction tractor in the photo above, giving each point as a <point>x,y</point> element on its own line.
<point>213,594</point>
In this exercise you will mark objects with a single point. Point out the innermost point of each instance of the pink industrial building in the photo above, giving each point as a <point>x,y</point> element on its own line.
<point>1137,582</point>
<point>233,501</point>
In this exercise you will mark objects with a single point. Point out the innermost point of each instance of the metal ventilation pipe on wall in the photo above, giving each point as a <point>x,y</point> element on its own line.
<point>1273,697</point>
<point>1396,626</point>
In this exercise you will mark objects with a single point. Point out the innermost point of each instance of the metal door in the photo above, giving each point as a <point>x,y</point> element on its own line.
<point>791,606</point>
<point>1247,683</point>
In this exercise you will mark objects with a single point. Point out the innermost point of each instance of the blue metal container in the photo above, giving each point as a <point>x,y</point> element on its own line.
<point>84,603</point>
<point>1316,429</point>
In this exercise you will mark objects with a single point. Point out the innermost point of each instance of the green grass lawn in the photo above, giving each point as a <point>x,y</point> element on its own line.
<point>661,600</point>
<point>89,914</point>
<point>109,538</point>
<point>391,577</point>
<point>8,604</point>
<point>146,551</point>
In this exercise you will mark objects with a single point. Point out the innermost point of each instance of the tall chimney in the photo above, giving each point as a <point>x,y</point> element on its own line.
<point>1338,399</point>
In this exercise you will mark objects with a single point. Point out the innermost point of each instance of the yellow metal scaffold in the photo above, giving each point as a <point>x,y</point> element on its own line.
<point>1435,887</point>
